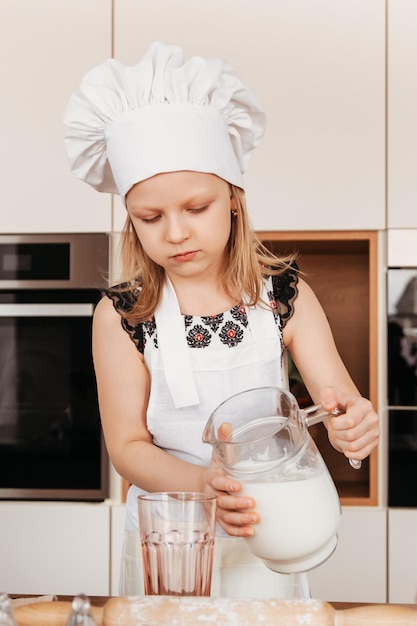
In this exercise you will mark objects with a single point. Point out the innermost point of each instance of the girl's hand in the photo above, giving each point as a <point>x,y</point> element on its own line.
<point>355,431</point>
<point>234,513</point>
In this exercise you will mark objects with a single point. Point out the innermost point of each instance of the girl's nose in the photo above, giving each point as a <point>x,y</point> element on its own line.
<point>176,230</point>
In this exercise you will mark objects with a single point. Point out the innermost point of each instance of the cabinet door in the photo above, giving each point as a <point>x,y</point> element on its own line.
<point>402,114</point>
<point>402,555</point>
<point>54,548</point>
<point>318,68</point>
<point>118,514</point>
<point>357,570</point>
<point>45,48</point>
<point>402,247</point>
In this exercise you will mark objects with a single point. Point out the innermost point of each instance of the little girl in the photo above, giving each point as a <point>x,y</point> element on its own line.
<point>204,310</point>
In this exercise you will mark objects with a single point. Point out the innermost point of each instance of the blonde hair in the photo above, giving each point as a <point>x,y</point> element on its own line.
<point>247,261</point>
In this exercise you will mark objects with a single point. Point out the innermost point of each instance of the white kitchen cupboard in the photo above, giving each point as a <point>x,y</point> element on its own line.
<point>357,570</point>
<point>402,113</point>
<point>118,514</point>
<point>318,68</point>
<point>402,247</point>
<point>402,555</point>
<point>54,548</point>
<point>45,48</point>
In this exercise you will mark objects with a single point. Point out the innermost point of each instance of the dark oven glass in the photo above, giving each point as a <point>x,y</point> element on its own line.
<point>402,459</point>
<point>51,445</point>
<point>402,385</point>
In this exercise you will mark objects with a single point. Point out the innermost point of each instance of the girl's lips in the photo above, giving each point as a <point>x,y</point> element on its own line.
<point>185,256</point>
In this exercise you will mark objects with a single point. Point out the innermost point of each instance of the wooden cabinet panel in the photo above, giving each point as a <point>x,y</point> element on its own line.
<point>46,47</point>
<point>318,68</point>
<point>341,267</point>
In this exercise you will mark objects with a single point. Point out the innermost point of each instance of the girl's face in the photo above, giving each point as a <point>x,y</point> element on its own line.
<point>183,221</point>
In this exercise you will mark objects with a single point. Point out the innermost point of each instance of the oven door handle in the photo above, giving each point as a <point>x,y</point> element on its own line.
<point>73,309</point>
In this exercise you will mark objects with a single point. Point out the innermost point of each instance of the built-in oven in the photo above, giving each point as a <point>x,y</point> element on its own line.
<point>402,386</point>
<point>51,443</point>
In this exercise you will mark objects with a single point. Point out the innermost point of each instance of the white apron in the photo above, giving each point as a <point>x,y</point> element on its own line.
<point>187,384</point>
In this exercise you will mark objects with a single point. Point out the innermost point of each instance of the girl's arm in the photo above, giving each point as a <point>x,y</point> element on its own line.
<point>123,392</point>
<point>308,337</point>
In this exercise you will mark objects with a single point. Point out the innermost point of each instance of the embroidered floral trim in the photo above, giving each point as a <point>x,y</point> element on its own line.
<point>198,337</point>
<point>228,328</point>
<point>239,313</point>
<point>149,329</point>
<point>213,321</point>
<point>231,334</point>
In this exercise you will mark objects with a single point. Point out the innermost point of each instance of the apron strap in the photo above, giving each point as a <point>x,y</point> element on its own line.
<point>262,325</point>
<point>174,350</point>
<point>261,319</point>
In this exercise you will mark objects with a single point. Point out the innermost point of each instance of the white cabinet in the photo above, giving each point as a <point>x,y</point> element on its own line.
<point>118,514</point>
<point>402,555</point>
<point>402,114</point>
<point>357,570</point>
<point>45,48</point>
<point>402,247</point>
<point>54,548</point>
<point>318,68</point>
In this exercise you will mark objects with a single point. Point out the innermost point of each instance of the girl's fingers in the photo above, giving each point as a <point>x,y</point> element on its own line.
<point>236,515</point>
<point>238,524</point>
<point>234,503</point>
<point>356,431</point>
<point>220,482</point>
<point>225,431</point>
<point>237,531</point>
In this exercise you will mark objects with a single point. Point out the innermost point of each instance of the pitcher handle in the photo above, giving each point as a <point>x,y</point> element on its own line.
<point>315,414</point>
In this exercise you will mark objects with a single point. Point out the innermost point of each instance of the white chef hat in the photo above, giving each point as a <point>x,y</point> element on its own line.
<point>126,124</point>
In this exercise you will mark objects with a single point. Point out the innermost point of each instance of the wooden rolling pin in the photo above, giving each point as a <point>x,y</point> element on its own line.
<point>53,613</point>
<point>183,611</point>
<point>377,615</point>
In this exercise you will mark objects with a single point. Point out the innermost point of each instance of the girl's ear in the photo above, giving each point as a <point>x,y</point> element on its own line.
<point>233,206</point>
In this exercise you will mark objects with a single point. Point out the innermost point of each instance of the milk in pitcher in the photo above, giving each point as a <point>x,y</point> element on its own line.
<point>300,516</point>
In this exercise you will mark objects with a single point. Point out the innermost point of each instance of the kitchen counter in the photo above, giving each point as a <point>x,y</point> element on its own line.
<point>169,610</point>
<point>101,601</point>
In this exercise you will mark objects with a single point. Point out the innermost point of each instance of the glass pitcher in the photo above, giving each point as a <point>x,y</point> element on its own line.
<point>260,437</point>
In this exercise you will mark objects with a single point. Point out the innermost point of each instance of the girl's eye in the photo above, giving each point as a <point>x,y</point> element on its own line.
<point>156,218</point>
<point>150,220</point>
<point>199,209</point>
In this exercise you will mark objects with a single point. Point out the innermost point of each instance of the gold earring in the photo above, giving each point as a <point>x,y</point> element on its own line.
<point>233,209</point>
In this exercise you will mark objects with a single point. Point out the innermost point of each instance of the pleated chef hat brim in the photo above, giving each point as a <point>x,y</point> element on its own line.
<point>126,124</point>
